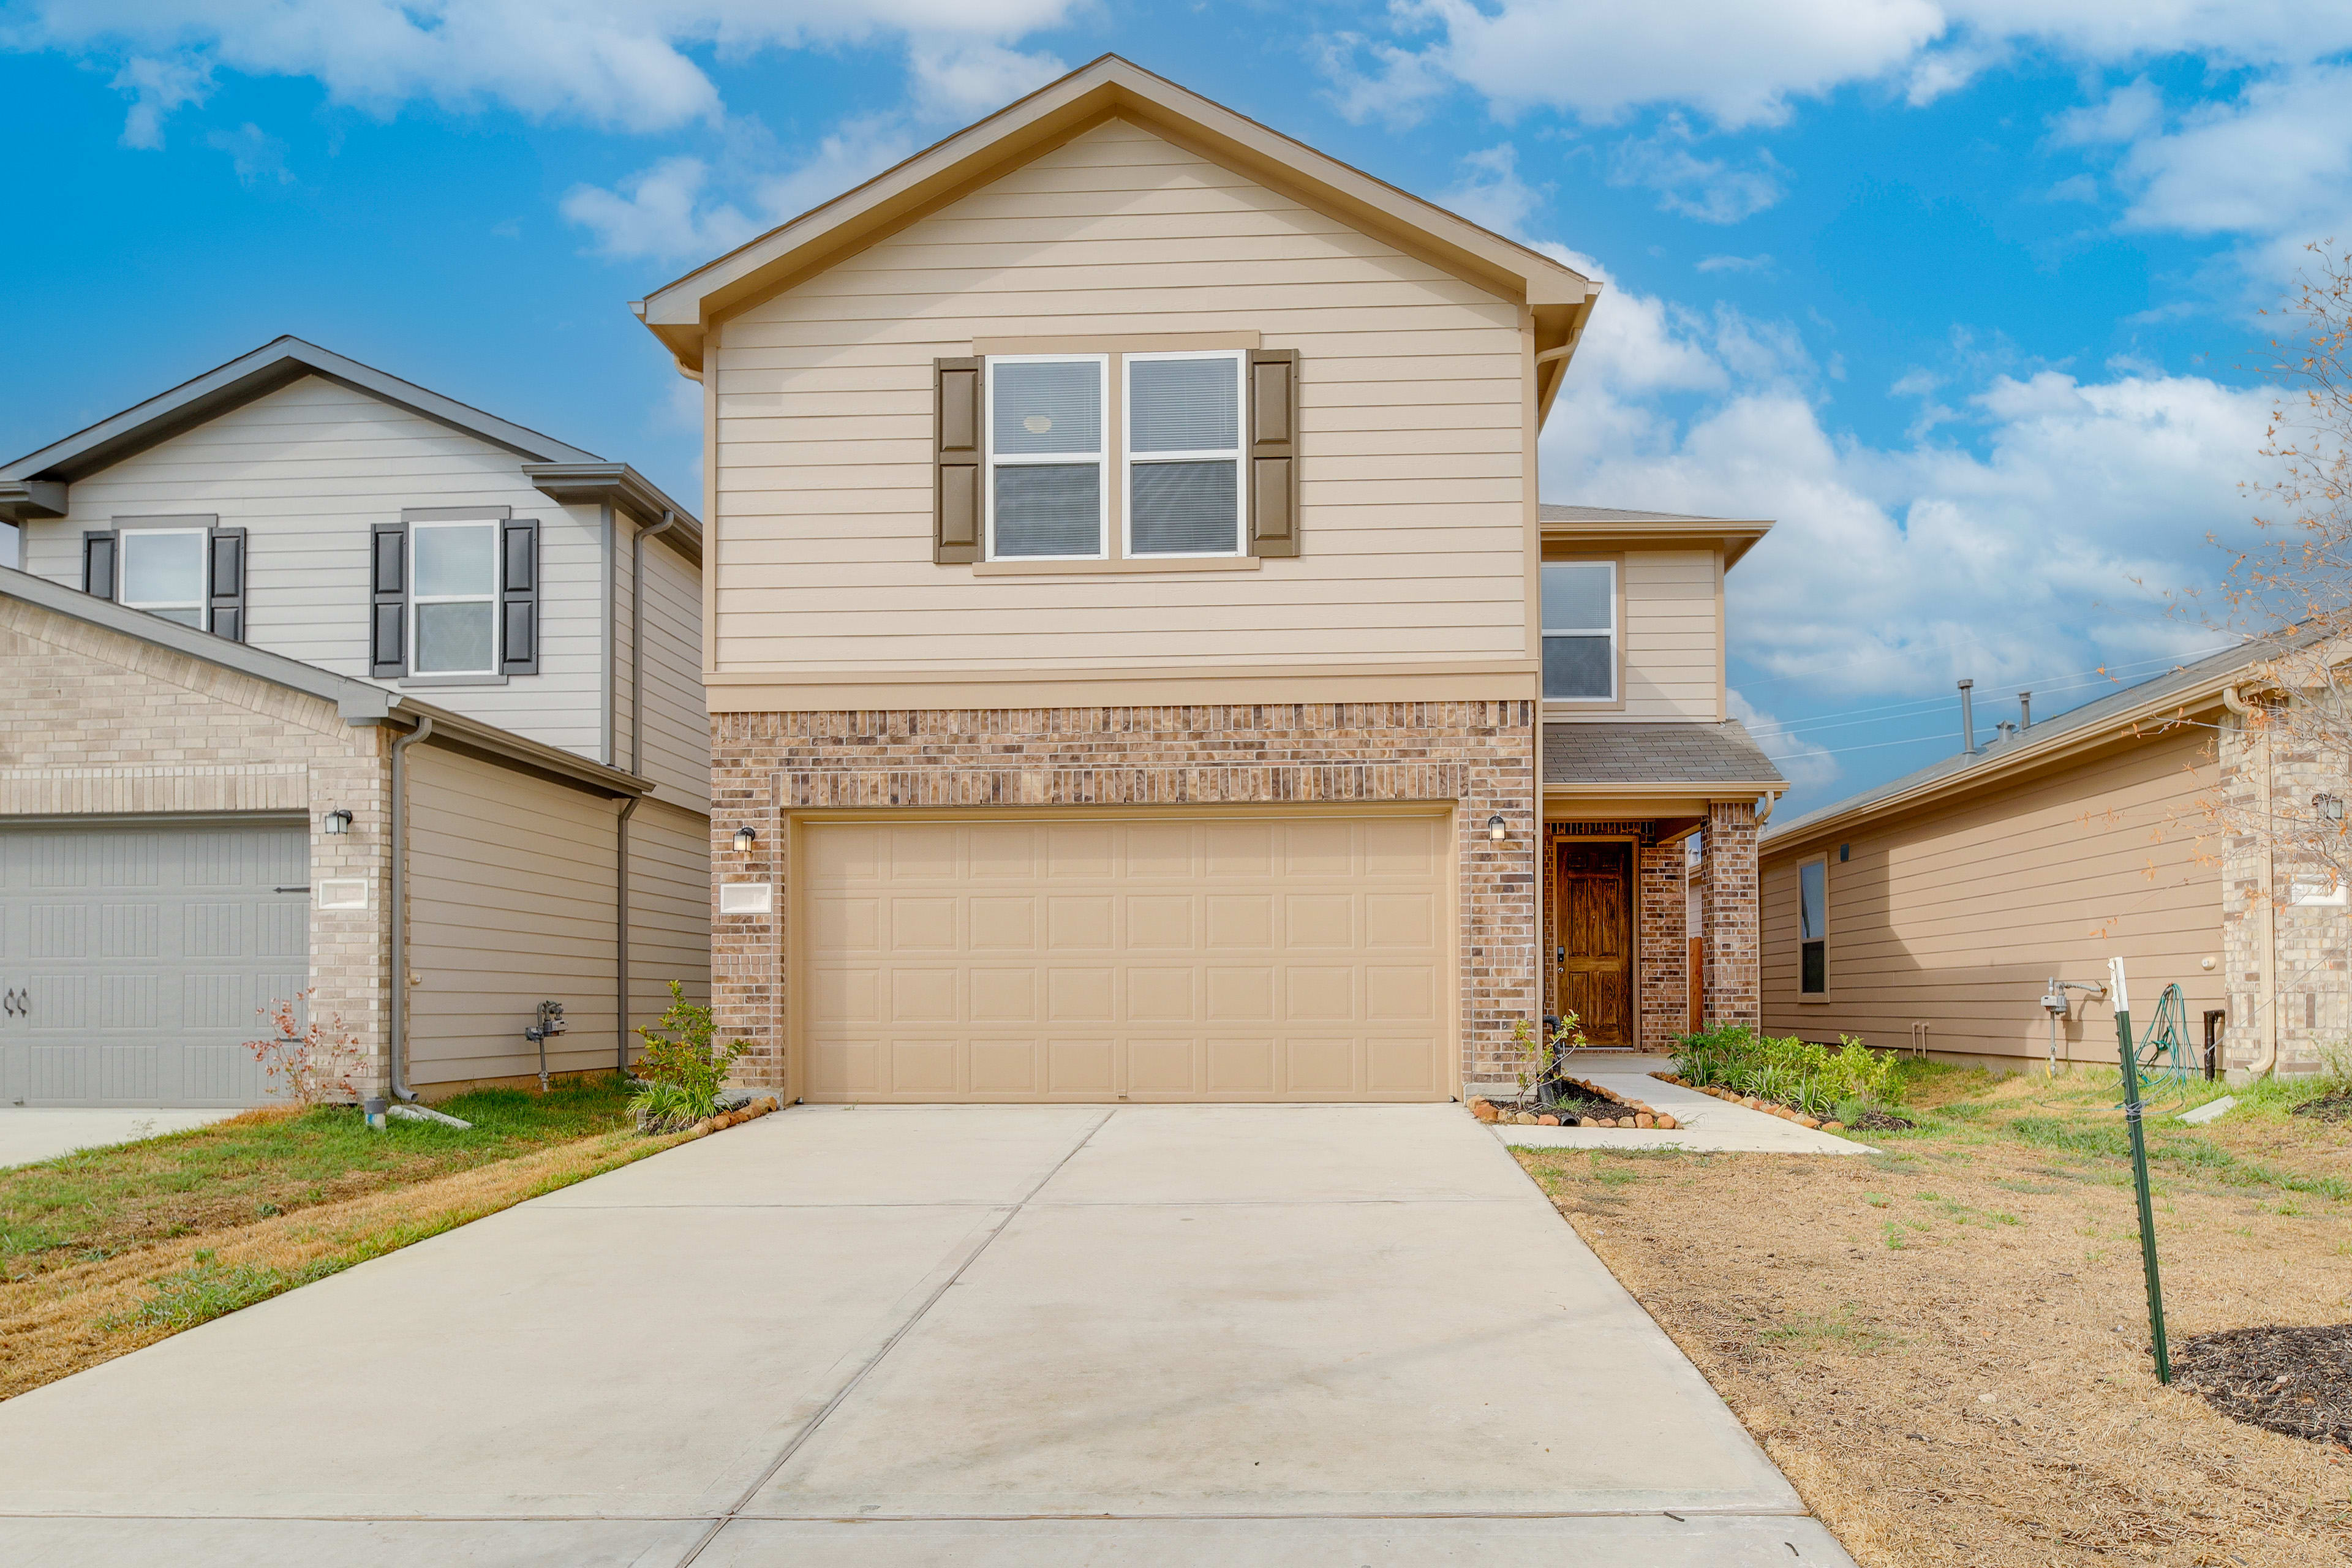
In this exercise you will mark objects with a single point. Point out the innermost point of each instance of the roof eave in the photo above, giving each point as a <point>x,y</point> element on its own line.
<point>31,500</point>
<point>619,486</point>
<point>1734,538</point>
<point>679,312</point>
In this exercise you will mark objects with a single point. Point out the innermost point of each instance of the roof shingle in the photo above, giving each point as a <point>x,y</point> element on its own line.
<point>1587,754</point>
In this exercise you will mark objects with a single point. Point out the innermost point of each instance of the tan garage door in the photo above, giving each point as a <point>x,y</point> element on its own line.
<point>1101,958</point>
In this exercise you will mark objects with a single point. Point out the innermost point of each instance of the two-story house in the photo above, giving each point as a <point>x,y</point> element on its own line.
<point>1139,667</point>
<point>315,680</point>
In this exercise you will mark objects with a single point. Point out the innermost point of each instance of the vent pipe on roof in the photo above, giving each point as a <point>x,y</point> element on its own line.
<point>2024,711</point>
<point>2008,731</point>
<point>1968,721</point>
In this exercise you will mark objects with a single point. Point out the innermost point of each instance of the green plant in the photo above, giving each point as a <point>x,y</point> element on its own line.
<point>683,1068</point>
<point>1815,1078</point>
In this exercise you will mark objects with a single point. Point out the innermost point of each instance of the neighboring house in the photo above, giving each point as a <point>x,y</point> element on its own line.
<point>257,615</point>
<point>1135,638</point>
<point>1936,910</point>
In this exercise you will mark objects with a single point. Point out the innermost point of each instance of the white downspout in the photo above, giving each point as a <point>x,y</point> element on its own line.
<point>2269,1004</point>
<point>398,1053</point>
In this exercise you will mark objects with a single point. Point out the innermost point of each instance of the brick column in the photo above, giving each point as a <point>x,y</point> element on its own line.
<point>1661,954</point>
<point>1733,914</point>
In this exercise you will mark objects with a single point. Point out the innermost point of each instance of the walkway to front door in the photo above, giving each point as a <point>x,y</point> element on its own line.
<point>1318,1335</point>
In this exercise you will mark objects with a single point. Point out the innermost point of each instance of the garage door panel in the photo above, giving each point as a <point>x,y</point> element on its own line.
<point>147,954</point>
<point>1159,958</point>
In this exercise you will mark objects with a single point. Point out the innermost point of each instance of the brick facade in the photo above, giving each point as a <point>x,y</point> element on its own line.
<point>1730,895</point>
<point>97,722</point>
<point>1479,757</point>
<point>1661,951</point>
<point>2314,1004</point>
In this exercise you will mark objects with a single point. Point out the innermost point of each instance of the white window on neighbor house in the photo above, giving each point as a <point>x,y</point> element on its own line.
<point>1813,928</point>
<point>164,572</point>
<point>1579,631</point>
<point>1183,489</point>
<point>454,598</point>
<point>1045,495</point>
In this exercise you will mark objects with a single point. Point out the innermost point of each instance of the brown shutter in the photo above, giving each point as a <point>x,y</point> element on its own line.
<point>388,601</point>
<point>1273,452</point>
<point>955,487</point>
<point>225,590</point>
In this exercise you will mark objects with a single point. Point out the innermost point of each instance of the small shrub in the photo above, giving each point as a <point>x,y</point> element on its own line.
<point>683,1069</point>
<point>1816,1079</point>
<point>315,1063</point>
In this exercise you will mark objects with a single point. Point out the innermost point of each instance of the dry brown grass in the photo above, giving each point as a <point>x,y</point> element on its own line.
<point>1946,1348</point>
<point>66,1319</point>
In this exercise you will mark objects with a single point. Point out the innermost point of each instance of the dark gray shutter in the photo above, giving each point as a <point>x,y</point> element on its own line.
<point>98,563</point>
<point>226,591</point>
<point>519,597</point>
<point>388,601</point>
<point>955,488</point>
<point>1273,452</point>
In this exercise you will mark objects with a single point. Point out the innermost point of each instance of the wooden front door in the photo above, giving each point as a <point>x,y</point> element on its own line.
<point>1592,939</point>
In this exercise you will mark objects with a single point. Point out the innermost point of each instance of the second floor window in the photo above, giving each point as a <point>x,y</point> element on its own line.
<point>455,570</point>
<point>164,572</point>
<point>1184,454</point>
<point>1579,631</point>
<point>1812,928</point>
<point>1046,499</point>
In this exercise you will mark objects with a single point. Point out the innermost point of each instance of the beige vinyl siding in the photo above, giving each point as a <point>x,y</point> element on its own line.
<point>1673,663</point>
<point>1957,917</point>
<point>669,909</point>
<point>677,752</point>
<point>1412,406</point>
<point>306,471</point>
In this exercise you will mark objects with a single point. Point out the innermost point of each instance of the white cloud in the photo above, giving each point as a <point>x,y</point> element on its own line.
<point>623,64</point>
<point>2046,541</point>
<point>1708,189</point>
<point>255,154</point>
<point>1491,192</point>
<point>1734,264</point>
<point>657,215</point>
<point>1806,765</point>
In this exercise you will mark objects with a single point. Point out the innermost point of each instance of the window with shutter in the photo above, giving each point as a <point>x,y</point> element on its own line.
<point>165,571</point>
<point>226,589</point>
<point>388,601</point>
<point>1045,499</point>
<point>519,597</point>
<point>452,598</point>
<point>1184,454</point>
<point>956,461</point>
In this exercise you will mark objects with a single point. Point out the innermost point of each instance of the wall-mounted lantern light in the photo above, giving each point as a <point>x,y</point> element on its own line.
<point>745,838</point>
<point>2330,806</point>
<point>1497,828</point>
<point>338,823</point>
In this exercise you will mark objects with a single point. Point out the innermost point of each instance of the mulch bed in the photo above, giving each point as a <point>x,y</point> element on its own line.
<point>2328,1107</point>
<point>1880,1122</point>
<point>2296,1380</point>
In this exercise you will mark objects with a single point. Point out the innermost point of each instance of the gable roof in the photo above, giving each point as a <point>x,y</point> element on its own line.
<point>2191,688</point>
<point>680,312</point>
<point>1597,526</point>
<point>35,485</point>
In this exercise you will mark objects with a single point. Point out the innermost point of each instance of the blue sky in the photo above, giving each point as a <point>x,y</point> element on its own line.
<point>1961,293</point>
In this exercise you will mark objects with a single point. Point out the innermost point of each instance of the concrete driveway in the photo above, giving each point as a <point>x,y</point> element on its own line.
<point>1037,1335</point>
<point>41,1132</point>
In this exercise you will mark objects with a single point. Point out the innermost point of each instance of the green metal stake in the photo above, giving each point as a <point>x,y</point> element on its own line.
<point>2132,1112</point>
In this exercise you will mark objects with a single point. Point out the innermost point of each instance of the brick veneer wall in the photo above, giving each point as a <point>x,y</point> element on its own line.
<point>1734,916</point>
<point>2314,1004</point>
<point>1479,756</point>
<point>98,722</point>
<point>1662,954</point>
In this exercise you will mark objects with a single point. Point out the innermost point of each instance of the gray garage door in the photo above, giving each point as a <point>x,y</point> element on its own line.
<point>134,956</point>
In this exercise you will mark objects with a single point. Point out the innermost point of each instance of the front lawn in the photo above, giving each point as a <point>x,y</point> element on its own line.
<point>103,1251</point>
<point>1944,1345</point>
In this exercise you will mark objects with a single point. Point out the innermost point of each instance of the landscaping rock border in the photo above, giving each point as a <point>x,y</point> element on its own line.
<point>1637,1114</point>
<point>744,1110</point>
<point>1769,1107</point>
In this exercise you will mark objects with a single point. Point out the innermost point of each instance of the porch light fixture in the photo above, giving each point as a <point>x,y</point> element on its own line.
<point>744,839</point>
<point>2330,806</point>
<point>337,823</point>
<point>1497,828</point>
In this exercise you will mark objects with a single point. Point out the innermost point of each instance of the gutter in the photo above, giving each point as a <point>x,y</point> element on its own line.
<point>396,899</point>
<point>2269,1004</point>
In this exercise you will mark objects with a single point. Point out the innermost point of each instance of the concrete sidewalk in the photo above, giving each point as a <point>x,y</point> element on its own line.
<point>41,1132</point>
<point>1708,1124</point>
<point>1345,1335</point>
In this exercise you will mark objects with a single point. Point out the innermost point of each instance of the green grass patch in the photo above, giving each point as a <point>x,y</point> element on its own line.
<point>2179,1149</point>
<point>1807,1332</point>
<point>102,1202</point>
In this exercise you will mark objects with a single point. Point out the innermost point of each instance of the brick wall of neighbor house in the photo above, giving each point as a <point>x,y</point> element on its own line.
<point>1734,926</point>
<point>2314,981</point>
<point>1661,954</point>
<point>98,723</point>
<point>1478,756</point>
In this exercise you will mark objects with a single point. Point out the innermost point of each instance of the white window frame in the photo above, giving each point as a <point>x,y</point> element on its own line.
<point>991,461</point>
<point>1129,457</point>
<point>418,601</point>
<point>201,604</point>
<point>1610,631</point>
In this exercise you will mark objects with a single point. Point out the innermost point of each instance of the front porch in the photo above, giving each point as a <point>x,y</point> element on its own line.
<point>1651,916</point>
